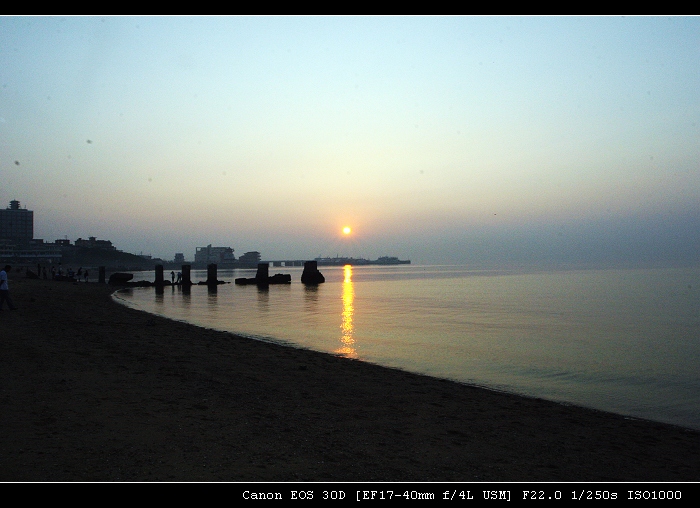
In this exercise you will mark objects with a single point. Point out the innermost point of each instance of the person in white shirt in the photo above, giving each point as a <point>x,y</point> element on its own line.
<point>5,289</point>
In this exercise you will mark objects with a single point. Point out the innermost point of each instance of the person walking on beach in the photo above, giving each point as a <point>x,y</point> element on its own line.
<point>4,289</point>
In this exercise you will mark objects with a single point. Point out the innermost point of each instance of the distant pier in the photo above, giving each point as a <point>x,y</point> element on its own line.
<point>342,261</point>
<point>291,262</point>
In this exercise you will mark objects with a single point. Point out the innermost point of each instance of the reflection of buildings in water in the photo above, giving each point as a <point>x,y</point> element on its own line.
<point>347,347</point>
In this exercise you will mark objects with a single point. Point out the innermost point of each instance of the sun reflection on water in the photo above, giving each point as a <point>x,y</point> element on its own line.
<point>347,347</point>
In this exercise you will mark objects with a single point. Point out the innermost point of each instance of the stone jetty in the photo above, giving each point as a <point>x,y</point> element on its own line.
<point>262,277</point>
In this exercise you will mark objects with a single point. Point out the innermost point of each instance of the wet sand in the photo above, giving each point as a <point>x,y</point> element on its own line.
<point>91,390</point>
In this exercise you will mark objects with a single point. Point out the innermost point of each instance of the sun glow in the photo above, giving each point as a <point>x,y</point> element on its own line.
<point>347,230</point>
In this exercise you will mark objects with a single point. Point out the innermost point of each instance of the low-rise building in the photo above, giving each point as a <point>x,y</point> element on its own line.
<point>249,259</point>
<point>36,251</point>
<point>94,243</point>
<point>219,255</point>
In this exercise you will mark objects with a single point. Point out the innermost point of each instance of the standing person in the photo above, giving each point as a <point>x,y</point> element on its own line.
<point>4,289</point>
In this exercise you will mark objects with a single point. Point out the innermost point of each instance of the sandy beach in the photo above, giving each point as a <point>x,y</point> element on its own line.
<point>94,391</point>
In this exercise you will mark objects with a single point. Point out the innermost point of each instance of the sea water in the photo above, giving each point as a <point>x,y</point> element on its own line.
<point>625,341</point>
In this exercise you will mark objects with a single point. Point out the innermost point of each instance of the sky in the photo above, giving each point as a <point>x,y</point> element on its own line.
<point>487,141</point>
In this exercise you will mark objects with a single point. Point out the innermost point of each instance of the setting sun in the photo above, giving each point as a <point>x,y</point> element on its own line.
<point>346,230</point>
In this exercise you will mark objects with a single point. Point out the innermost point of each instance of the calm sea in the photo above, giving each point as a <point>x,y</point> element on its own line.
<point>626,341</point>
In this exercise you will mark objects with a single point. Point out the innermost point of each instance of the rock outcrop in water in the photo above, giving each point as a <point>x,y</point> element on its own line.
<point>120,279</point>
<point>311,275</point>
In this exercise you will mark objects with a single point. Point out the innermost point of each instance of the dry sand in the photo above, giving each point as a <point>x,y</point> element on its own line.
<point>94,391</point>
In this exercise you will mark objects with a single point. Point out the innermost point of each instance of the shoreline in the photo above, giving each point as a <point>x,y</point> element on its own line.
<point>93,390</point>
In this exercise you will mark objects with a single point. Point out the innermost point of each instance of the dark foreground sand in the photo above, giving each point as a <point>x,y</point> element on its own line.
<point>91,390</point>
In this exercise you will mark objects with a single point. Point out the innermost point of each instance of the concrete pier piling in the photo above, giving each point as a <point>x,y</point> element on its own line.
<point>212,275</point>
<point>186,275</point>
<point>311,275</point>
<point>263,273</point>
<point>160,280</point>
<point>262,277</point>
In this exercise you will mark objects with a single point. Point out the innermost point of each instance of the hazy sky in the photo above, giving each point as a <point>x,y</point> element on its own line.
<point>439,139</point>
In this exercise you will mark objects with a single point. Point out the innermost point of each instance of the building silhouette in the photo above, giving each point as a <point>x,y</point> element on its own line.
<point>94,243</point>
<point>218,255</point>
<point>249,259</point>
<point>17,225</point>
<point>17,242</point>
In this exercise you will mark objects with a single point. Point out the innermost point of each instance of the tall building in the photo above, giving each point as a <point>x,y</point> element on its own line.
<point>17,242</point>
<point>17,224</point>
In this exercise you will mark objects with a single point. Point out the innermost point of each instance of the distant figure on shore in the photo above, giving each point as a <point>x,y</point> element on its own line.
<point>86,275</point>
<point>5,289</point>
<point>179,278</point>
<point>172,277</point>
